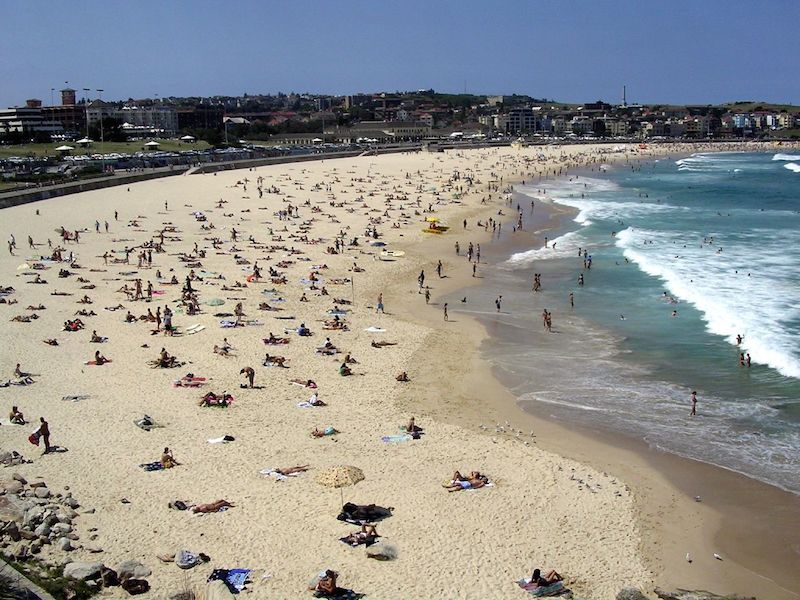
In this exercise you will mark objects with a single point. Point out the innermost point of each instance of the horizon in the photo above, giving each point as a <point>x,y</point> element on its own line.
<point>573,54</point>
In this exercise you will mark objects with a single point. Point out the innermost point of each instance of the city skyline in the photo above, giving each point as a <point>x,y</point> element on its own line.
<point>577,52</point>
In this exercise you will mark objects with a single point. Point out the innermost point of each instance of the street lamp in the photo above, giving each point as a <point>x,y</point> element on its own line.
<point>86,106</point>
<point>102,153</point>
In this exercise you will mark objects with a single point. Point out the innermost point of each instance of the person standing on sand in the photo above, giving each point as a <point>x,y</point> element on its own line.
<point>250,374</point>
<point>693,412</point>
<point>44,434</point>
<point>439,269</point>
<point>572,300</point>
<point>446,318</point>
<point>497,302</point>
<point>379,307</point>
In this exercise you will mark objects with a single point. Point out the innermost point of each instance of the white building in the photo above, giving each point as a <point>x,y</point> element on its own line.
<point>28,120</point>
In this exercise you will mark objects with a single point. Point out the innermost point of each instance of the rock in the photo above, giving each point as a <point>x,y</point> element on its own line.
<point>20,478</point>
<point>382,551</point>
<point>185,595</point>
<point>38,484</point>
<point>12,531</point>
<point>109,577</point>
<point>72,503</point>
<point>93,548</point>
<point>42,492</point>
<point>631,593</point>
<point>64,544</point>
<point>61,528</point>
<point>83,570</point>
<point>36,547</point>
<point>43,530</point>
<point>217,590</point>
<point>132,569</point>
<point>12,508</point>
<point>696,595</point>
<point>12,487</point>
<point>135,586</point>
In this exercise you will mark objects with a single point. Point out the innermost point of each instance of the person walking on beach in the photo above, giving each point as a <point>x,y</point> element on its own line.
<point>497,302</point>
<point>439,269</point>
<point>421,280</point>
<point>571,300</point>
<point>693,412</point>
<point>427,296</point>
<point>379,308</point>
<point>446,318</point>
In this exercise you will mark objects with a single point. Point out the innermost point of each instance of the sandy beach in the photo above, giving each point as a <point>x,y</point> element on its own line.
<point>601,515</point>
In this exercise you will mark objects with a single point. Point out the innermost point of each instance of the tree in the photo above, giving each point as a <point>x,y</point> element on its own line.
<point>112,130</point>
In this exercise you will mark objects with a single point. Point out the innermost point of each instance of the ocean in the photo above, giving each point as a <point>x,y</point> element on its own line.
<point>686,255</point>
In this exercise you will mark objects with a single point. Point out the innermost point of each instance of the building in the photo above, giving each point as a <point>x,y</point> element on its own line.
<point>518,120</point>
<point>156,119</point>
<point>68,97</point>
<point>301,139</point>
<point>29,120</point>
<point>382,132</point>
<point>200,117</point>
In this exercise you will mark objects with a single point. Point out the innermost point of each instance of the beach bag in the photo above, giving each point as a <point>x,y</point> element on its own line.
<point>34,438</point>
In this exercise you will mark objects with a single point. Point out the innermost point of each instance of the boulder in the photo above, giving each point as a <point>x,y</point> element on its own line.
<point>630,593</point>
<point>42,492</point>
<point>184,595</point>
<point>20,478</point>
<point>83,570</point>
<point>12,508</point>
<point>43,530</point>
<point>64,544</point>
<point>217,590</point>
<point>132,569</point>
<point>93,548</point>
<point>12,487</point>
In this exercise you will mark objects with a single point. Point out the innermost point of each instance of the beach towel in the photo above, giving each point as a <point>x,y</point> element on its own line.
<point>308,405</point>
<point>555,589</point>
<point>186,560</point>
<point>195,329</point>
<point>221,440</point>
<point>94,362</point>
<point>235,579</point>
<point>153,466</point>
<point>227,324</point>
<point>278,476</point>
<point>341,594</point>
<point>374,329</point>
<point>396,439</point>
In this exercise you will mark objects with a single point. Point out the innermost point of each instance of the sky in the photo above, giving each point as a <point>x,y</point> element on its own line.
<point>678,51</point>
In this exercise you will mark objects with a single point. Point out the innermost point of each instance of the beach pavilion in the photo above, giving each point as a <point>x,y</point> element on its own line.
<point>152,145</point>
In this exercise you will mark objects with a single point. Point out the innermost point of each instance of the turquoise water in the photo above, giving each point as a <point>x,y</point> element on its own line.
<point>686,255</point>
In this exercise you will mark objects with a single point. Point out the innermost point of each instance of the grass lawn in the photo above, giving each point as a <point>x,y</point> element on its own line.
<point>108,147</point>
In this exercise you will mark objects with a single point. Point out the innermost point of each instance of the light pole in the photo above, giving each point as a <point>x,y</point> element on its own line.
<point>86,106</point>
<point>102,153</point>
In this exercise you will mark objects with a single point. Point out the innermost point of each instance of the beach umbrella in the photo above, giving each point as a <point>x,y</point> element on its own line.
<point>215,302</point>
<point>340,476</point>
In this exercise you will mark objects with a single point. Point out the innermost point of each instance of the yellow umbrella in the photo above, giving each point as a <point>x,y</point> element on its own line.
<point>340,476</point>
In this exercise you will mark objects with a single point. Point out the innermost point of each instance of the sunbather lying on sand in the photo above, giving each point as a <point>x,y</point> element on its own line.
<point>222,400</point>
<point>275,361</point>
<point>545,580</point>
<point>327,431</point>
<point>274,341</point>
<point>474,481</point>
<point>402,377</point>
<point>221,350</point>
<point>368,535</point>
<point>375,344</point>
<point>51,342</point>
<point>211,507</point>
<point>292,470</point>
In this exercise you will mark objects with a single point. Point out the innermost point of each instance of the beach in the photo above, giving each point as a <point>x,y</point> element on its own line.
<point>604,515</point>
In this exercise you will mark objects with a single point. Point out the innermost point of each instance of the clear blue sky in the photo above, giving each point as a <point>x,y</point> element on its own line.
<point>701,51</point>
